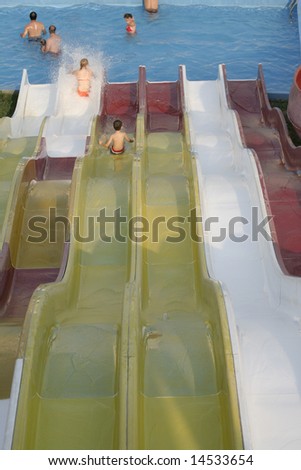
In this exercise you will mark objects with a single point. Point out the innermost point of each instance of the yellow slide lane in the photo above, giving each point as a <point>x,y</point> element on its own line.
<point>69,395</point>
<point>186,390</point>
<point>11,153</point>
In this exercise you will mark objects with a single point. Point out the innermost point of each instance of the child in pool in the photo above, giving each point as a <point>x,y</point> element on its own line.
<point>116,140</point>
<point>43,44</point>
<point>130,21</point>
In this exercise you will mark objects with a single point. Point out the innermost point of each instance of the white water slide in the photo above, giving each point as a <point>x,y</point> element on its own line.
<point>35,102</point>
<point>263,304</point>
<point>69,116</point>
<point>67,129</point>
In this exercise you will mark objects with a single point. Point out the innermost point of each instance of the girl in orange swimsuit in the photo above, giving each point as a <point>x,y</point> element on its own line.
<point>83,75</point>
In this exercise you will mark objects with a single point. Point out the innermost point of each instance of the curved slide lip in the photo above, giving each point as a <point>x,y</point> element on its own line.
<point>263,303</point>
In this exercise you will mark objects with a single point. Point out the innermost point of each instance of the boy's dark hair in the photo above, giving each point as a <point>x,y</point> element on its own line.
<point>52,28</point>
<point>128,15</point>
<point>33,15</point>
<point>117,124</point>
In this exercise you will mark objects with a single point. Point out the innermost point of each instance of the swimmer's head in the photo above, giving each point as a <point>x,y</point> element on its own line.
<point>83,63</point>
<point>117,124</point>
<point>52,28</point>
<point>33,15</point>
<point>43,42</point>
<point>127,16</point>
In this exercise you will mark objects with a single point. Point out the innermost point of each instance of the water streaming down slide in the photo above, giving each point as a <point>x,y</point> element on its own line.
<point>131,349</point>
<point>279,163</point>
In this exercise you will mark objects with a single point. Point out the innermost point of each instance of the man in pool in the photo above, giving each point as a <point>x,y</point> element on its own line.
<point>34,29</point>
<point>84,75</point>
<point>116,140</point>
<point>130,21</point>
<point>53,43</point>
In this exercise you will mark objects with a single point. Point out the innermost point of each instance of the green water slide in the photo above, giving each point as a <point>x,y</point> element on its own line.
<point>20,136</point>
<point>11,153</point>
<point>186,387</point>
<point>131,350</point>
<point>70,397</point>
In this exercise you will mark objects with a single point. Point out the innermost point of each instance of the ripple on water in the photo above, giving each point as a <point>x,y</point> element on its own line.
<point>200,37</point>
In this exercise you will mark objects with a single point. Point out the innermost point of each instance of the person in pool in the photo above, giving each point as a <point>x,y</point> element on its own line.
<point>151,6</point>
<point>130,21</point>
<point>34,29</point>
<point>84,75</point>
<point>116,140</point>
<point>53,43</point>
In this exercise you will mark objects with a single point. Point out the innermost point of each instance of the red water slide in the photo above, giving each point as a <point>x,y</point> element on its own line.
<point>279,164</point>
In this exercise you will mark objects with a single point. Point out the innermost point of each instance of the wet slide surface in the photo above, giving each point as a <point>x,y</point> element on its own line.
<point>25,264</point>
<point>75,389</point>
<point>34,235</point>
<point>22,267</point>
<point>76,397</point>
<point>282,184</point>
<point>19,134</point>
<point>79,381</point>
<point>10,155</point>
<point>184,398</point>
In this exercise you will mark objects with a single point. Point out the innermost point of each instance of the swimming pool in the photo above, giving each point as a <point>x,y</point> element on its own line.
<point>200,37</point>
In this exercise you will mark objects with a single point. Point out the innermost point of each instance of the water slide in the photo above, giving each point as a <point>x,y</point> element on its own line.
<point>19,134</point>
<point>20,140</point>
<point>262,300</point>
<point>187,387</point>
<point>279,162</point>
<point>133,341</point>
<point>131,349</point>
<point>35,238</point>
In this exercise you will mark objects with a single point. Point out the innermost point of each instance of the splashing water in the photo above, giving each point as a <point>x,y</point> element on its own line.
<point>69,102</point>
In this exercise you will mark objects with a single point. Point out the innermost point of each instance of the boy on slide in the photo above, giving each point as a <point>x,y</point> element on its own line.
<point>116,140</point>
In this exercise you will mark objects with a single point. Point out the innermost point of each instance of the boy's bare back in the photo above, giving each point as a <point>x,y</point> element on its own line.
<point>117,140</point>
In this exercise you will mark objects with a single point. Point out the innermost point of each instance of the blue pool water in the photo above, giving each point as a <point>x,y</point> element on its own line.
<point>200,37</point>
